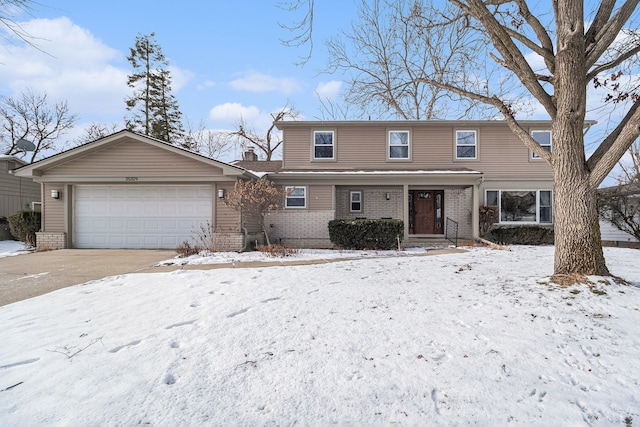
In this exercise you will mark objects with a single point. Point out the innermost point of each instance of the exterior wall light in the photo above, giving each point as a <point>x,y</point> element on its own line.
<point>221,193</point>
<point>55,194</point>
<point>387,196</point>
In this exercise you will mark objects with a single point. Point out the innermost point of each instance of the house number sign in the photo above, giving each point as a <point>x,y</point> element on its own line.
<point>130,178</point>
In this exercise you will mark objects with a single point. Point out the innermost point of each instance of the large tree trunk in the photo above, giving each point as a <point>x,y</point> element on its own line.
<point>578,245</point>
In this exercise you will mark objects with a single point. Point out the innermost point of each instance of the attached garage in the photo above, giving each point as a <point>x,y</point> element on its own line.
<point>141,216</point>
<point>129,191</point>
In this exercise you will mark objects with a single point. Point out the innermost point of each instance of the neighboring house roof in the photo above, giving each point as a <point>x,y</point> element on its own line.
<point>36,168</point>
<point>7,157</point>
<point>259,166</point>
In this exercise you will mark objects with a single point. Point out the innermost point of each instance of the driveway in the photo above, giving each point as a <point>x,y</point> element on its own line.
<point>30,275</point>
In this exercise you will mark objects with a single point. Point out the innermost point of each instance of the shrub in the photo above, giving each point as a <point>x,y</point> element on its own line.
<point>24,225</point>
<point>366,233</point>
<point>186,249</point>
<point>522,235</point>
<point>277,251</point>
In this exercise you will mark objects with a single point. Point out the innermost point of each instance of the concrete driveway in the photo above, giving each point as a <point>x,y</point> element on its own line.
<point>30,275</point>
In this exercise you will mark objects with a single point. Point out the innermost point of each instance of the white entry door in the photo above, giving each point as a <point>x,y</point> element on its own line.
<point>139,216</point>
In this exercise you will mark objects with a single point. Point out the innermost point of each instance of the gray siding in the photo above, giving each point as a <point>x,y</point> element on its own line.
<point>16,193</point>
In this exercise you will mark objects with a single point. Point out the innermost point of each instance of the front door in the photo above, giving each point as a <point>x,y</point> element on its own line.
<point>426,211</point>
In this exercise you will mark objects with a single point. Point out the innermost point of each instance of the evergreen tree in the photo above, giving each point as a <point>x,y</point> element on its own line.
<point>155,109</point>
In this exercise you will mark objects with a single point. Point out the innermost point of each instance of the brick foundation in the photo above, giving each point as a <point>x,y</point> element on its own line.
<point>50,241</point>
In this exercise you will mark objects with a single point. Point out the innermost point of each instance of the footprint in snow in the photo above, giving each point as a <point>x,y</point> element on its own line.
<point>235,313</point>
<point>22,362</point>
<point>177,325</point>
<point>120,347</point>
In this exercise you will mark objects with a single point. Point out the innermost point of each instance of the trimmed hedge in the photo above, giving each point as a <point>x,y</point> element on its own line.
<point>24,225</point>
<point>366,233</point>
<point>521,235</point>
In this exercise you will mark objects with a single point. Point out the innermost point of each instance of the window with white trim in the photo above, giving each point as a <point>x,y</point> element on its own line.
<point>355,201</point>
<point>466,144</point>
<point>323,145</point>
<point>399,144</point>
<point>542,137</point>
<point>296,197</point>
<point>527,206</point>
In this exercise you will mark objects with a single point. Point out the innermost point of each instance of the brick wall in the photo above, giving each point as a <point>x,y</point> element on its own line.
<point>300,228</point>
<point>458,204</point>
<point>50,240</point>
<point>374,202</point>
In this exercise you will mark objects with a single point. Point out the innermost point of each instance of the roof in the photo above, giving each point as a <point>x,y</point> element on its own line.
<point>259,165</point>
<point>36,167</point>
<point>335,123</point>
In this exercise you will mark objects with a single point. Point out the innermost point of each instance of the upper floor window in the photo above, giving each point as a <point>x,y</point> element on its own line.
<point>398,144</point>
<point>466,144</point>
<point>323,145</point>
<point>542,137</point>
<point>356,201</point>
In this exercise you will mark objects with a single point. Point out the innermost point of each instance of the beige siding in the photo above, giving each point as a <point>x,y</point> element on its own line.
<point>227,219</point>
<point>363,146</point>
<point>132,158</point>
<point>53,209</point>
<point>320,197</point>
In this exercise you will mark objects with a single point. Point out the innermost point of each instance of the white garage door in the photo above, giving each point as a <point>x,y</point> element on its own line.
<point>139,216</point>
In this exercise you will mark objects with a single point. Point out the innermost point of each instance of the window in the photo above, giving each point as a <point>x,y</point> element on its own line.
<point>398,144</point>
<point>323,145</point>
<point>466,144</point>
<point>542,137</point>
<point>296,197</point>
<point>546,210</point>
<point>522,206</point>
<point>356,201</point>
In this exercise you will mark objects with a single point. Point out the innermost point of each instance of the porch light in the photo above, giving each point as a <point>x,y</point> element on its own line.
<point>221,193</point>
<point>387,196</point>
<point>55,194</point>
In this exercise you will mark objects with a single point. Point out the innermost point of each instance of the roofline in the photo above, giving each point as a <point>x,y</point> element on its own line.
<point>302,123</point>
<point>28,170</point>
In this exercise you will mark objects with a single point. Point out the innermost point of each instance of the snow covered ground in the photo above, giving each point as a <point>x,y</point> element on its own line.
<point>474,338</point>
<point>12,248</point>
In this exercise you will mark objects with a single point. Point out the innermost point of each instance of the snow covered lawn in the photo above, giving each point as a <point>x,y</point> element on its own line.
<point>12,248</point>
<point>474,338</point>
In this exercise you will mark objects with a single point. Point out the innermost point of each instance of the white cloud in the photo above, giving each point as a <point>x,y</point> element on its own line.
<point>258,82</point>
<point>231,112</point>
<point>71,65</point>
<point>328,90</point>
<point>206,84</point>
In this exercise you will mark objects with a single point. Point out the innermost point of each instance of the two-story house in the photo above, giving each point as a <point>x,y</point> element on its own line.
<point>131,191</point>
<point>421,172</point>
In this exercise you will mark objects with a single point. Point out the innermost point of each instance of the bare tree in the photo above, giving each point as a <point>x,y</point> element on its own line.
<point>210,143</point>
<point>620,205</point>
<point>11,8</point>
<point>391,47</point>
<point>30,117</point>
<point>267,142</point>
<point>575,46</point>
<point>255,199</point>
<point>96,131</point>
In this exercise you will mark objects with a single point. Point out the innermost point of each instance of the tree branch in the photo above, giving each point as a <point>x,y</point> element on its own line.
<point>606,35</point>
<point>614,146</point>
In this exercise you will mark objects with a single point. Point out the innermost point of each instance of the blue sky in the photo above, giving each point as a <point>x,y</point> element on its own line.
<point>226,57</point>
